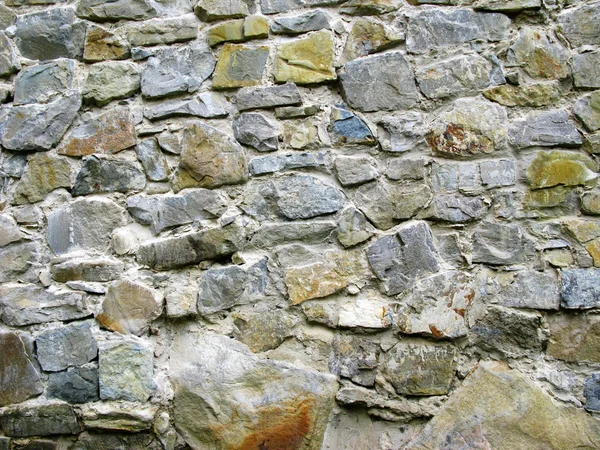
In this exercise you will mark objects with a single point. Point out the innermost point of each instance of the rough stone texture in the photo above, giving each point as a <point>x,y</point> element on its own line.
<point>19,378</point>
<point>346,128</point>
<point>152,160</point>
<point>72,345</point>
<point>111,80</point>
<point>587,109</point>
<point>579,288</point>
<point>277,163</point>
<point>399,134</point>
<point>44,173</point>
<point>561,168</point>
<point>353,170</point>
<point>206,105</point>
<point>532,290</point>
<point>539,94</point>
<point>161,31</point>
<point>257,131</point>
<point>540,55</point>
<point>311,21</point>
<point>240,66</point>
<point>313,232</point>
<point>545,129</point>
<point>44,82</point>
<point>580,25</point>
<point>353,228</point>
<point>39,420</point>
<point>585,70</point>
<point>268,97</point>
<point>112,10</point>
<point>355,358</point>
<point>495,243</point>
<point>366,37</point>
<point>264,331</point>
<point>102,174</point>
<point>211,10</point>
<point>101,45</point>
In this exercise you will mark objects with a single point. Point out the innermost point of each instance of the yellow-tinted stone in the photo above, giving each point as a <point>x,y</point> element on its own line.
<point>256,27</point>
<point>44,173</point>
<point>240,66</point>
<point>574,337</point>
<point>301,134</point>
<point>590,202</point>
<point>560,168</point>
<point>307,60</point>
<point>547,198</point>
<point>559,257</point>
<point>366,37</point>
<point>102,45</point>
<point>230,31</point>
<point>525,95</point>
<point>583,230</point>
<point>593,248</point>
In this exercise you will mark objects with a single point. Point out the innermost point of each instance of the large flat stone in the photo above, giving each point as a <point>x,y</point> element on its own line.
<point>19,379</point>
<point>545,129</point>
<point>39,420</point>
<point>497,243</point>
<point>207,105</point>
<point>561,168</point>
<point>44,82</point>
<point>268,97</point>
<point>104,174</point>
<point>70,345</point>
<point>161,31</point>
<point>113,10</point>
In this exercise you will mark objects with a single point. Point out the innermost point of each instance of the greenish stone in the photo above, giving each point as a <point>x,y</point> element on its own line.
<point>587,109</point>
<point>537,94</point>
<point>367,36</point>
<point>560,168</point>
<point>591,143</point>
<point>240,66</point>
<point>547,198</point>
<point>230,31</point>
<point>44,173</point>
<point>256,27</point>
<point>590,202</point>
<point>211,10</point>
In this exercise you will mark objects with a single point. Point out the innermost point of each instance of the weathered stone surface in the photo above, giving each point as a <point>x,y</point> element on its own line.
<point>111,80</point>
<point>306,60</point>
<point>19,379</point>
<point>585,70</point>
<point>152,160</point>
<point>368,36</point>
<point>574,337</point>
<point>496,243</point>
<point>268,97</point>
<point>279,6</point>
<point>580,288</point>
<point>591,392</point>
<point>7,17</point>
<point>70,345</point>
<point>50,34</point>
<point>590,202</point>
<point>27,304</point>
<point>301,134</point>
<point>368,7</point>
<point>86,269</point>
<point>530,289</point>
<point>498,400</point>
<point>540,55</point>
<point>420,368</point>
<point>256,27</point>
<point>178,70</point>
<point>354,357</point>
<point>264,331</point>
<point>211,10</point>
<point>379,82</point>
<point>270,234</point>
<point>105,441</point>
<point>310,21</point>
<point>129,308</point>
<point>167,211</point>
<point>546,129</point>
<point>400,259</point>
<point>498,173</point>
<point>9,230</point>
<point>240,66</point>
<point>288,161</point>
<point>125,368</point>
<point>385,204</point>
<point>398,134</point>
<point>257,131</point>
<point>229,31</point>
<point>438,28</point>
<point>455,208</point>
<point>207,105</point>
<point>39,126</point>
<point>43,174</point>
<point>39,420</point>
<point>561,168</point>
<point>436,306</point>
<point>261,402</point>
<point>75,385</point>
<point>44,82</point>
<point>161,31</point>
<point>109,132</point>
<point>537,94</point>
<point>102,45</point>
<point>191,248</point>
<point>581,26</point>
<point>508,6</point>
<point>19,261</point>
<point>294,196</point>
<point>353,228</point>
<point>112,10</point>
<point>9,62</point>
<point>347,128</point>
<point>115,416</point>
<point>457,76</point>
<point>587,109</point>
<point>471,128</point>
<point>352,170</point>
<point>104,174</point>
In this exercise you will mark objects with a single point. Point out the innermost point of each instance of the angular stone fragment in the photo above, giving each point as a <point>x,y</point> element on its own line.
<point>355,358</point>
<point>540,55</point>
<point>161,31</point>
<point>268,97</point>
<point>537,94</point>
<point>9,230</point>
<point>211,10</point>
<point>399,134</point>
<point>207,105</point>
<point>19,379</point>
<point>257,131</point>
<point>19,261</point>
<point>102,45</point>
<point>353,228</point>
<point>385,204</point>
<point>129,308</point>
<point>294,112</point>
<point>368,36</point>
<point>7,17</point>
<point>581,26</point>
<point>379,82</point>
<point>229,31</point>
<point>471,128</point>
<point>70,345</point>
<point>590,202</point>
<point>176,70</point>
<point>103,174</point>
<point>50,34</point>
<point>492,409</point>
<point>586,73</point>
<point>44,173</point>
<point>497,243</point>
<point>277,163</point>
<point>152,160</point>
<point>531,289</point>
<point>507,6</point>
<point>39,126</point>
<point>592,393</point>
<point>271,234</point>
<point>561,168</point>
<point>368,7</point>
<point>191,248</point>
<point>264,331</point>
<point>355,170</point>
<point>574,337</point>
<point>580,288</point>
<point>420,368</point>
<point>39,420</point>
<point>347,128</point>
<point>400,259</point>
<point>111,80</point>
<point>261,402</point>
<point>113,10</point>
<point>301,134</point>
<point>116,416</point>
<point>546,128</point>
<point>86,269</point>
<point>587,109</point>
<point>107,133</point>
<point>310,21</point>
<point>438,28</point>
<point>44,82</point>
<point>27,304</point>
<point>366,311</point>
<point>456,208</point>
<point>9,62</point>
<point>240,66</point>
<point>75,385</point>
<point>125,369</point>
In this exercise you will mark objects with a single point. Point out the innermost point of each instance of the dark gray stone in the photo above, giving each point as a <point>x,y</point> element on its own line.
<point>257,131</point>
<point>44,82</point>
<point>347,128</point>
<point>9,63</point>
<point>496,243</point>
<point>116,441</point>
<point>456,208</point>
<point>310,21</point>
<point>354,357</point>
<point>591,392</point>
<point>19,379</point>
<point>39,420</point>
<point>112,10</point>
<point>268,97</point>
<point>76,385</point>
<point>70,345</point>
<point>288,161</point>
<point>586,70</point>
<point>580,288</point>
<point>546,129</point>
<point>206,105</point>
<point>271,234</point>
<point>152,160</point>
<point>103,174</point>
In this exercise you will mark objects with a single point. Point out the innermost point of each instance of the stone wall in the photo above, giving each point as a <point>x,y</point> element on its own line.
<point>299,224</point>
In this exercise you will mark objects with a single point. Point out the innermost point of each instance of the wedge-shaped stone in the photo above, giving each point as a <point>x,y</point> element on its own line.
<point>346,128</point>
<point>257,131</point>
<point>368,36</point>
<point>19,379</point>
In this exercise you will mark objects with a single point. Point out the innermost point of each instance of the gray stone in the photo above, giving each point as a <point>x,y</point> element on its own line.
<point>19,261</point>
<point>161,31</point>
<point>586,72</point>
<point>223,288</point>
<point>458,76</point>
<point>268,97</point>
<point>310,21</point>
<point>279,6</point>
<point>498,173</point>
<point>9,230</point>
<point>271,234</point>
<point>27,304</point>
<point>580,288</point>
<point>170,142</point>
<point>6,91</point>
<point>111,80</point>
<point>399,134</point>
<point>261,402</point>
<point>287,161</point>
<point>257,131</point>
<point>437,28</point>
<point>508,6</point>
<point>239,66</point>
<point>294,112</point>
<point>152,160</point>
<point>386,204</point>
<point>379,82</point>
<point>293,197</point>
<point>13,164</point>
<point>352,170</point>
<point>581,26</point>
<point>44,82</point>
<point>39,126</point>
<point>83,224</point>
<point>497,244</point>
<point>75,385</point>
<point>347,128</point>
<point>50,34</point>
<point>112,10</point>
<point>9,62</point>
<point>86,269</point>
<point>591,391</point>
<point>192,248</point>
<point>39,420</point>
<point>531,289</point>
<point>406,169</point>
<point>167,211</point>
<point>211,10</point>
<point>7,17</point>
<point>546,129</point>
<point>353,228</point>
<point>355,358</point>
<point>112,441</point>
<point>125,368</point>
<point>456,208</point>
<point>420,368</point>
<point>177,70</point>
<point>19,379</point>
<point>207,105</point>
<point>402,258</point>
<point>587,109</point>
<point>70,345</point>
<point>103,174</point>
<point>369,7</point>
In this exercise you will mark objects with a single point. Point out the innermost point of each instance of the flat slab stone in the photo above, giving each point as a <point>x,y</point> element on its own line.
<point>268,97</point>
<point>19,379</point>
<point>39,420</point>
<point>207,105</point>
<point>113,10</point>
<point>545,129</point>
<point>44,82</point>
<point>161,31</point>
<point>70,345</point>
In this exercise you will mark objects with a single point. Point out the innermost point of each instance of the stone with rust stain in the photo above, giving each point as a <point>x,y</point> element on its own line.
<point>102,45</point>
<point>240,66</point>
<point>561,168</point>
<point>19,379</point>
<point>540,55</point>
<point>44,173</point>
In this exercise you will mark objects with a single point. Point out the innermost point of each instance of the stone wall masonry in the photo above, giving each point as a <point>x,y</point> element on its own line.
<point>299,224</point>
